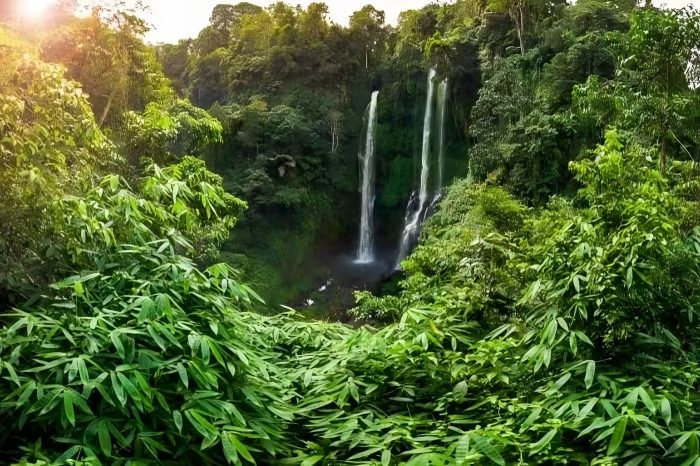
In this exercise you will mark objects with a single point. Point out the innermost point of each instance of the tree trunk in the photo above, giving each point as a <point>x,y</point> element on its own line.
<point>662,157</point>
<point>334,145</point>
<point>663,149</point>
<point>366,57</point>
<point>108,107</point>
<point>520,26</point>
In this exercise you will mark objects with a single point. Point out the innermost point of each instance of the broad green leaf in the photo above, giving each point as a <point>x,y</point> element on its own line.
<point>83,371</point>
<point>117,388</point>
<point>583,337</point>
<point>183,374</point>
<point>312,460</point>
<point>386,457</point>
<point>177,419</point>
<point>68,406</point>
<point>104,438</point>
<point>484,447</point>
<point>617,436</point>
<point>203,426</point>
<point>530,419</point>
<point>586,410</point>
<point>365,454</point>
<point>229,451</point>
<point>679,443</point>
<point>68,454</point>
<point>543,442</point>
<point>27,393</point>
<point>118,345</point>
<point>562,380</point>
<point>646,399</point>
<point>73,370</point>
<point>666,412</point>
<point>590,374</point>
<point>463,448</point>
<point>240,448</point>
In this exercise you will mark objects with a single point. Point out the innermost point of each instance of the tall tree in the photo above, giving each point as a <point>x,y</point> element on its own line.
<point>314,21</point>
<point>527,14</point>
<point>651,95</point>
<point>175,59</point>
<point>660,60</point>
<point>517,10</point>
<point>226,17</point>
<point>368,26</point>
<point>105,52</point>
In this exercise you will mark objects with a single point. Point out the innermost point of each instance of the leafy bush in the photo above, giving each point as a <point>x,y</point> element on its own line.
<point>587,354</point>
<point>556,335</point>
<point>140,356</point>
<point>49,146</point>
<point>166,132</point>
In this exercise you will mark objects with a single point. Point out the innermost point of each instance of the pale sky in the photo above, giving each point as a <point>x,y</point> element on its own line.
<point>173,20</point>
<point>178,19</point>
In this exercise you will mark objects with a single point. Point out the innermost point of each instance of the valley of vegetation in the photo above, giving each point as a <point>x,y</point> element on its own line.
<point>507,274</point>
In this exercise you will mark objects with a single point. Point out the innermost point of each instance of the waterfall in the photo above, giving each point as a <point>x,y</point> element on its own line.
<point>408,232</point>
<point>415,216</point>
<point>442,111</point>
<point>365,251</point>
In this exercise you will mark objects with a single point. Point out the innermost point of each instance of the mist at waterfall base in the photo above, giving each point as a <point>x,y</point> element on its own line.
<point>339,275</point>
<point>375,262</point>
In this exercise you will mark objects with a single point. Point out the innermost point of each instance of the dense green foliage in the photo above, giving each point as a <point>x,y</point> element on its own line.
<point>533,85</point>
<point>548,315</point>
<point>291,90</point>
<point>49,144</point>
<point>552,335</point>
<point>141,353</point>
<point>105,53</point>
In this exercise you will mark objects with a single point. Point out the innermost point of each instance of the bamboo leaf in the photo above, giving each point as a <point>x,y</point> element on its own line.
<point>666,412</point>
<point>240,448</point>
<point>484,447</point>
<point>104,438</point>
<point>617,436</point>
<point>183,374</point>
<point>177,419</point>
<point>590,374</point>
<point>68,406</point>
<point>312,460</point>
<point>678,444</point>
<point>229,450</point>
<point>118,345</point>
<point>543,442</point>
<point>646,399</point>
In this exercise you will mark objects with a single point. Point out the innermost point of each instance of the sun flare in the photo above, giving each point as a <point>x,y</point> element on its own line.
<point>35,9</point>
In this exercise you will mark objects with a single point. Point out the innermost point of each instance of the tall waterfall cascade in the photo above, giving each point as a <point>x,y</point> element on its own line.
<point>415,211</point>
<point>442,112</point>
<point>365,250</point>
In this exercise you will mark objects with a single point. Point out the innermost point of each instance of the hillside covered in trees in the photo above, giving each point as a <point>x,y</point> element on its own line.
<point>501,196</point>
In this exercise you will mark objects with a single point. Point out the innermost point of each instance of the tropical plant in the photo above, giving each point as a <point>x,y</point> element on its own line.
<point>49,146</point>
<point>140,356</point>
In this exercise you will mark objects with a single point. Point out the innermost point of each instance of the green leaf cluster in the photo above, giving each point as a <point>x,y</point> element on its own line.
<point>526,337</point>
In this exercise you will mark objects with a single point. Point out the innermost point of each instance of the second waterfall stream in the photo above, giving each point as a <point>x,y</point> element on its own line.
<point>417,211</point>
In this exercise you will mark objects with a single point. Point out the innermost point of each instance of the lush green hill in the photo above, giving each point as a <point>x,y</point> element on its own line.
<point>547,316</point>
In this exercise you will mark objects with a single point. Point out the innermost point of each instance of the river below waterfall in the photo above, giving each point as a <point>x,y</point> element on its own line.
<point>338,277</point>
